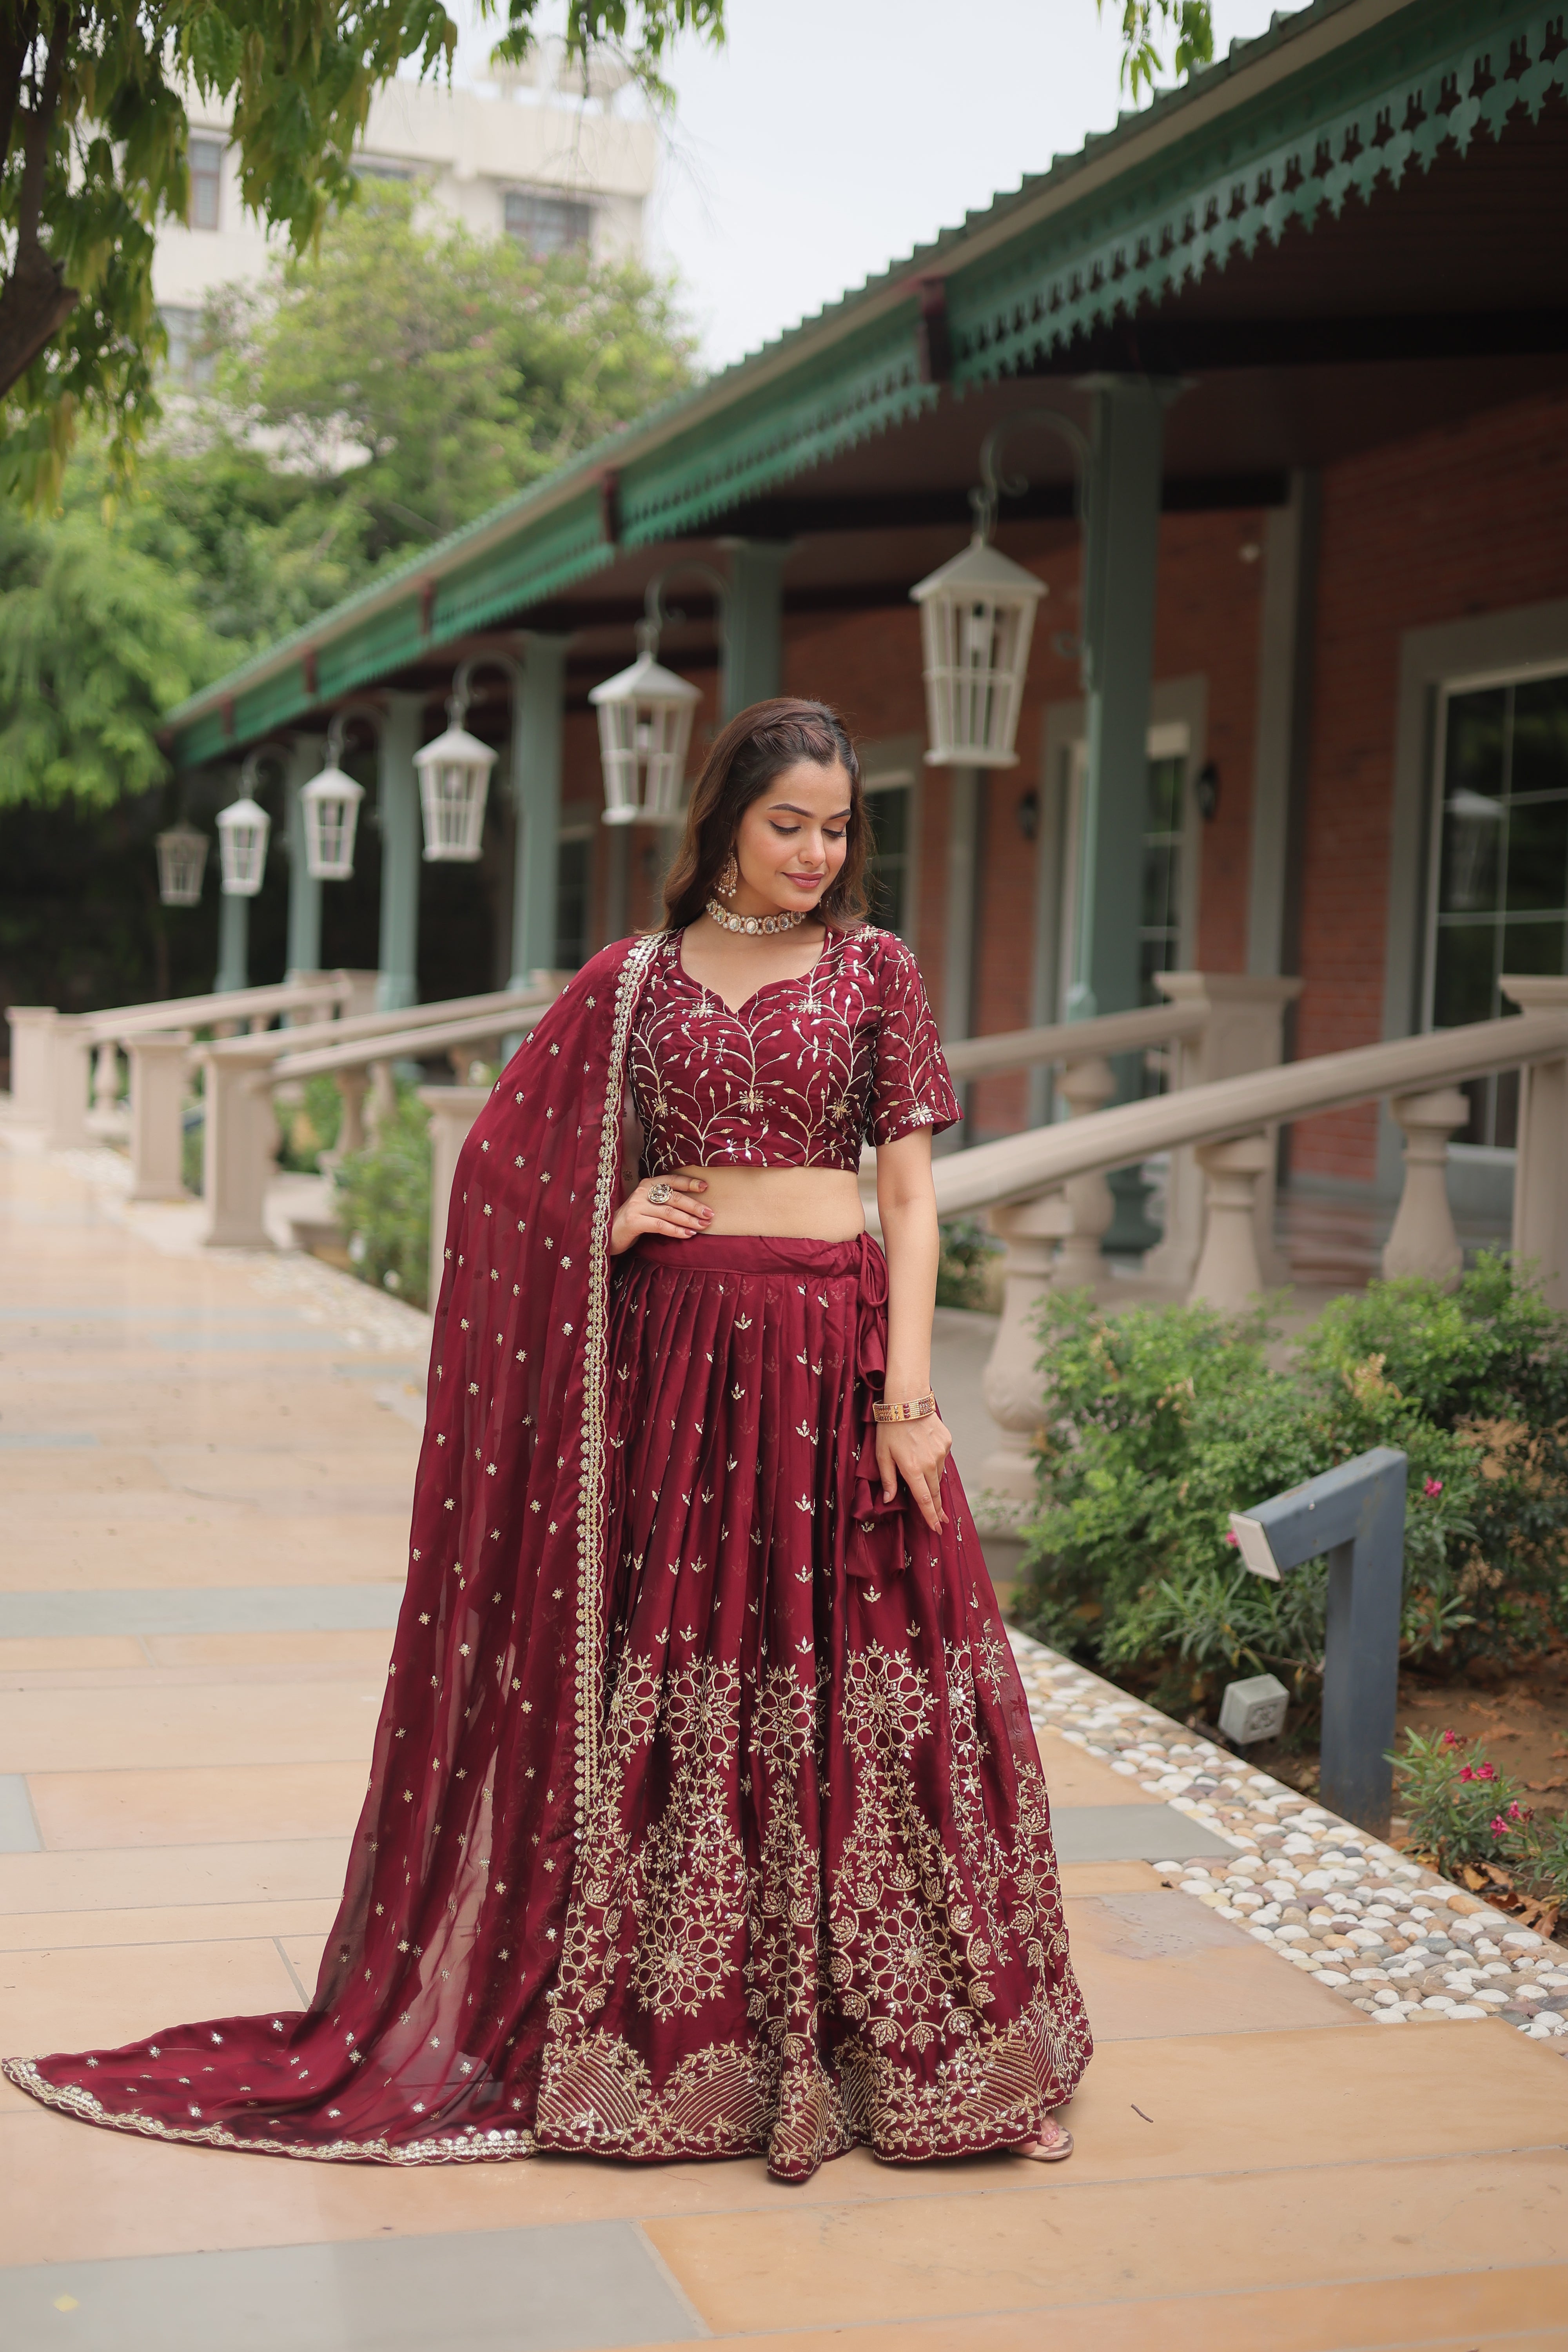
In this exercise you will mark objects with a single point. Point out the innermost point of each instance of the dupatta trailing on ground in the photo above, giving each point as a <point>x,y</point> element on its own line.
<point>423,2041</point>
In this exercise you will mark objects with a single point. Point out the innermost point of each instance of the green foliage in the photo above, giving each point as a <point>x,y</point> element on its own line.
<point>94,649</point>
<point>311,1125</point>
<point>419,374</point>
<point>1464,1810</point>
<point>967,1251</point>
<point>383,1203</point>
<point>1162,1422</point>
<point>1192,23</point>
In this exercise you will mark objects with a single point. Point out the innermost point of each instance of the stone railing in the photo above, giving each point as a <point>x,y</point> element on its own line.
<point>53,1053</point>
<point>1030,1186</point>
<point>241,1075</point>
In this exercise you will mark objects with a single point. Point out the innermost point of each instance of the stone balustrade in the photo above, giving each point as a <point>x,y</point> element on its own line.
<point>1029,1185</point>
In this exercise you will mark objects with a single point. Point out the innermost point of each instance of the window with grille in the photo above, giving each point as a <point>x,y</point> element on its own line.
<point>1500,879</point>
<point>890,807</point>
<point>205,161</point>
<point>546,225</point>
<point>573,879</point>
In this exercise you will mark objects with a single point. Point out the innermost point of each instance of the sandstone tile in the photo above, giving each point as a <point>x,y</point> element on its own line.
<point>47,1732</point>
<point>211,1806</point>
<point>282,1870</point>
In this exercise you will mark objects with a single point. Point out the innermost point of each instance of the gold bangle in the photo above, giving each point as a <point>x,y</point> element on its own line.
<point>917,1411</point>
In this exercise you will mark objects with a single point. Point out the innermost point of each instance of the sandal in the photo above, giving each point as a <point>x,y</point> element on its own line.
<point>1054,2150</point>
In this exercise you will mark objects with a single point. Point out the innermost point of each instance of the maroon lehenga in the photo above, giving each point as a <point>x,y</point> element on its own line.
<point>705,1815</point>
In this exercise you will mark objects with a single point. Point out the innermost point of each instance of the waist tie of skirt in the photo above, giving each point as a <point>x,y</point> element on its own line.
<point>876,1546</point>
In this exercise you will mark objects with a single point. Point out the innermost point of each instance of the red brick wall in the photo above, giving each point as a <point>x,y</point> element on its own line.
<point>1470,519</point>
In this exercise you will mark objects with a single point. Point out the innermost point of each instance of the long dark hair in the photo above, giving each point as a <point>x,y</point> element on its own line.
<point>753,749</point>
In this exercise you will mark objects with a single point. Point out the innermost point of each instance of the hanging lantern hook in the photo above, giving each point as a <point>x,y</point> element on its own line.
<point>997,485</point>
<point>656,612</point>
<point>250,768</point>
<point>463,681</point>
<point>340,722</point>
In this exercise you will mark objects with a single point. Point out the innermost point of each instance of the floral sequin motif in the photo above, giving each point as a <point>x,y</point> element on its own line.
<point>800,1074</point>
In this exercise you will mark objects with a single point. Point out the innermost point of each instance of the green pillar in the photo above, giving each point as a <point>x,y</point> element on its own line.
<point>233,944</point>
<point>306,757</point>
<point>536,734</point>
<point>753,623</point>
<point>402,851</point>
<point>1121,536</point>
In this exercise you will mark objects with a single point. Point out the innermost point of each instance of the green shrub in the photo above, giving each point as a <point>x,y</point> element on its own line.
<point>1466,1814</point>
<point>968,1253</point>
<point>311,1125</point>
<point>383,1204</point>
<point>1161,1421</point>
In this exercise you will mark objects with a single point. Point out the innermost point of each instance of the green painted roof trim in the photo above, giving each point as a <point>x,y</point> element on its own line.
<point>1378,105</point>
<point>1186,199</point>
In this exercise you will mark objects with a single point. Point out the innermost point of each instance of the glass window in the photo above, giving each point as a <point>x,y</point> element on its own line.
<point>1160,924</point>
<point>574,876</point>
<point>370,167</point>
<point>890,809</point>
<point>206,159</point>
<point>1501,865</point>
<point>546,225</point>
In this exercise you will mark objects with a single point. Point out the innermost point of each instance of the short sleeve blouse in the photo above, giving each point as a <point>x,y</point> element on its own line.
<point>801,1074</point>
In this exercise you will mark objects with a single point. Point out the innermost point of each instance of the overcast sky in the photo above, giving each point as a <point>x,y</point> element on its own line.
<point>828,136</point>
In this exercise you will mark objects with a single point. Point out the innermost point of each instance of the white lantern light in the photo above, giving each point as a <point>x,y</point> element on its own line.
<point>242,830</point>
<point>454,780</point>
<point>182,862</point>
<point>977,615</point>
<point>645,731</point>
<point>330,805</point>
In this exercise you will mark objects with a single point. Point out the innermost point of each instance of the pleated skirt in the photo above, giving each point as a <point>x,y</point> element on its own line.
<point>818,1902</point>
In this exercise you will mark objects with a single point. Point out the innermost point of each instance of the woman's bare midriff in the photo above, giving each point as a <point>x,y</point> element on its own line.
<point>813,1204</point>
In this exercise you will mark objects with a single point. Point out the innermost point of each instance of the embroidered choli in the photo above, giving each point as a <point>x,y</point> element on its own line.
<point>801,1074</point>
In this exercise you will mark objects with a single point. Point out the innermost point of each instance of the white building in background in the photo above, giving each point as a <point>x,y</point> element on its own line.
<point>542,165</point>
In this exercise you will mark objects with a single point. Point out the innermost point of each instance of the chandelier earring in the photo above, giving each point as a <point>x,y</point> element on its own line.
<point>727,881</point>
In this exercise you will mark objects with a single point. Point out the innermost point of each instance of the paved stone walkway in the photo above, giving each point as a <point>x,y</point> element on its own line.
<point>204,1466</point>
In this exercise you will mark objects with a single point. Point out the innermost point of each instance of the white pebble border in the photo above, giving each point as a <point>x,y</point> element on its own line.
<point>1390,1937</point>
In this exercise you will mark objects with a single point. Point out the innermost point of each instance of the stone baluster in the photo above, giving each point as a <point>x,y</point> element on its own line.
<point>453,1111</point>
<point>1084,1086</point>
<point>1423,1240</point>
<point>157,1114</point>
<point>33,1030</point>
<point>1229,1274</point>
<point>1540,1183</point>
<point>238,1147</point>
<point>106,1081</point>
<point>382,1110</point>
<point>1030,1232</point>
<point>351,1086</point>
<point>1052,1243</point>
<point>1243,1030</point>
<point>70,1053</point>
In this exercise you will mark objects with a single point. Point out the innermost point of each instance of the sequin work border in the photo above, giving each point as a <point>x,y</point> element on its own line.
<point>472,2148</point>
<point>596,1371</point>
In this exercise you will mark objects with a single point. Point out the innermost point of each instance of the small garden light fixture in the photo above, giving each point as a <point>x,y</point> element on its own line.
<point>455,780</point>
<point>977,616</point>
<point>645,722</point>
<point>182,862</point>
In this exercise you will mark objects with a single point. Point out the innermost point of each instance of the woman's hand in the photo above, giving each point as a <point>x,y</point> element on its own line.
<point>916,1452</point>
<point>670,1213</point>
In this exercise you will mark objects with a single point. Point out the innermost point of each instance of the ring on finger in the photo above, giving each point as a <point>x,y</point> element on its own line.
<point>658,1194</point>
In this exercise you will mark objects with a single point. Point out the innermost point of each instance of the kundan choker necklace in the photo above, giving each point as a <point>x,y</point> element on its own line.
<point>753,924</point>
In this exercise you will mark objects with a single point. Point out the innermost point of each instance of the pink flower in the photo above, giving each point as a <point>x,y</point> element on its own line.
<point>1434,1488</point>
<point>1486,1771</point>
<point>1518,1813</point>
<point>1232,1537</point>
<point>1499,1827</point>
<point>1453,1739</point>
<point>1466,1772</point>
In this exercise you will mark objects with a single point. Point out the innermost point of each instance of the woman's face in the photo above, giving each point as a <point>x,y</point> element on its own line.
<point>792,840</point>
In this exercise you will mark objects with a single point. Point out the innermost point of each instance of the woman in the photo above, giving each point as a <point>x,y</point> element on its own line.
<point>705,1815</point>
